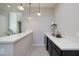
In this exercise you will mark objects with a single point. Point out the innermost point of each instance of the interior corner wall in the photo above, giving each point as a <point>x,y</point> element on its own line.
<point>67,18</point>
<point>39,24</point>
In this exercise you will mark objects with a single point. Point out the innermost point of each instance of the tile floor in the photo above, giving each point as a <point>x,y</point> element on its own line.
<point>39,51</point>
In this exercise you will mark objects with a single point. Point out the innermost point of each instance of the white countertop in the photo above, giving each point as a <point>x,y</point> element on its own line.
<point>14,38</point>
<point>65,43</point>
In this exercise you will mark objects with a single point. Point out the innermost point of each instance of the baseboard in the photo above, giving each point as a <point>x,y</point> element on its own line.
<point>38,44</point>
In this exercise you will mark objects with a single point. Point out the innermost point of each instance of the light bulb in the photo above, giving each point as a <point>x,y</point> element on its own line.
<point>20,7</point>
<point>8,5</point>
<point>29,17</point>
<point>39,14</point>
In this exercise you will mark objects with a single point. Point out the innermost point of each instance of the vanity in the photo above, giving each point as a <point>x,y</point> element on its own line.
<point>17,44</point>
<point>66,46</point>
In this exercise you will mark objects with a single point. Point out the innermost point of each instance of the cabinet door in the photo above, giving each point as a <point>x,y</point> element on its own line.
<point>49,47</point>
<point>52,48</point>
<point>54,52</point>
<point>46,42</point>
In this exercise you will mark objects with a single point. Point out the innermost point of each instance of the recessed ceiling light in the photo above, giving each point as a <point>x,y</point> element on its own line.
<point>8,6</point>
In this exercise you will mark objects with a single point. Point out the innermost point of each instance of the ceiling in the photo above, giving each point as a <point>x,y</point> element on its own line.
<point>14,6</point>
<point>48,5</point>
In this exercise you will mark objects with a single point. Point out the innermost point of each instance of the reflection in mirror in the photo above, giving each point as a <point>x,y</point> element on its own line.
<point>10,19</point>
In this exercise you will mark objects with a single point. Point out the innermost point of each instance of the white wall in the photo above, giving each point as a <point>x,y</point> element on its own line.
<point>67,18</point>
<point>39,25</point>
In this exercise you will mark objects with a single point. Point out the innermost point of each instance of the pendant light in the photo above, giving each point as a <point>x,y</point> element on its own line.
<point>8,6</point>
<point>39,13</point>
<point>29,11</point>
<point>20,7</point>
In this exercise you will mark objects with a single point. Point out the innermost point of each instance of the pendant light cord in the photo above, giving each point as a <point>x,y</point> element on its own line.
<point>29,8</point>
<point>39,7</point>
<point>21,4</point>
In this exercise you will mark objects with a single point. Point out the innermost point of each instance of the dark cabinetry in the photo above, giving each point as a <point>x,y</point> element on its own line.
<point>54,50</point>
<point>51,48</point>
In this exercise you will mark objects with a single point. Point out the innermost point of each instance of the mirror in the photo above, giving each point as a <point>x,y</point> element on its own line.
<point>10,19</point>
